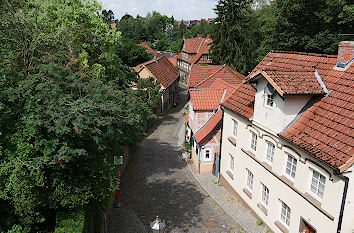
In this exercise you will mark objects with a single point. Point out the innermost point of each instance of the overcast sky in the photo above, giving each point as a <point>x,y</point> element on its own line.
<point>180,9</point>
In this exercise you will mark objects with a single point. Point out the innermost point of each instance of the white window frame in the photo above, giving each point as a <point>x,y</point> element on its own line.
<point>234,128</point>
<point>285,214</point>
<point>270,157</point>
<point>317,181</point>
<point>292,166</point>
<point>265,196</point>
<point>249,180</point>
<point>232,164</point>
<point>210,154</point>
<point>269,100</point>
<point>253,142</point>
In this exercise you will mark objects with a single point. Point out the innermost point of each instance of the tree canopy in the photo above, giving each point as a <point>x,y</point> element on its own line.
<point>65,109</point>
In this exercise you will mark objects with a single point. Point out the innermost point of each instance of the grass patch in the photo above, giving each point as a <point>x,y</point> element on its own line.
<point>260,223</point>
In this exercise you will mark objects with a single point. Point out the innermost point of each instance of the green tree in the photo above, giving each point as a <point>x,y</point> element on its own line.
<point>108,16</point>
<point>65,110</point>
<point>233,35</point>
<point>131,53</point>
<point>149,90</point>
<point>310,26</point>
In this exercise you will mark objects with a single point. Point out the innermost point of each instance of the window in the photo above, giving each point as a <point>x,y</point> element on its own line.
<point>270,100</point>
<point>318,184</point>
<point>234,128</point>
<point>285,214</point>
<point>291,166</point>
<point>270,152</point>
<point>249,180</point>
<point>207,154</point>
<point>265,195</point>
<point>253,141</point>
<point>232,161</point>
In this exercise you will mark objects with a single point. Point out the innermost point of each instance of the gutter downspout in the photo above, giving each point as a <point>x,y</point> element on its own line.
<point>344,197</point>
<point>222,126</point>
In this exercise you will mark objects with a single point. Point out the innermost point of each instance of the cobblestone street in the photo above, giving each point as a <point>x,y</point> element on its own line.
<point>159,182</point>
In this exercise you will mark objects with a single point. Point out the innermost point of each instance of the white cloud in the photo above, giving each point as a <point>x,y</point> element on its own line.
<point>180,9</point>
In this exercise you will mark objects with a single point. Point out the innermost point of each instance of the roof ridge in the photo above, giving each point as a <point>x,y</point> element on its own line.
<point>211,75</point>
<point>203,89</point>
<point>305,69</point>
<point>304,53</point>
<point>226,83</point>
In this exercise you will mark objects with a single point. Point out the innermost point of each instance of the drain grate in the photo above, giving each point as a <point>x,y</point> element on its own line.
<point>210,223</point>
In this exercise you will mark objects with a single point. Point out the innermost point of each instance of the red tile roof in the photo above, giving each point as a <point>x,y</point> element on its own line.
<point>186,117</point>
<point>241,100</point>
<point>203,76</point>
<point>324,130</point>
<point>148,48</point>
<point>197,46</point>
<point>162,69</point>
<point>210,126</point>
<point>291,82</point>
<point>221,84</point>
<point>206,99</point>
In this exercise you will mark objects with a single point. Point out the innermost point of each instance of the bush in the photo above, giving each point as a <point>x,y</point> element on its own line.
<point>72,222</point>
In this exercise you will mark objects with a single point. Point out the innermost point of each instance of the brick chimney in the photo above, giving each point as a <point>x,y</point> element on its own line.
<point>345,53</point>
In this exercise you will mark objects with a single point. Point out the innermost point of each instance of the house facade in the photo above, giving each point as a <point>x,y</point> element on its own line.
<point>204,125</point>
<point>287,141</point>
<point>167,74</point>
<point>194,51</point>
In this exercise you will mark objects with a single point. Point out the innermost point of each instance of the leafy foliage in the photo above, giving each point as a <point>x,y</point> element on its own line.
<point>233,37</point>
<point>149,89</point>
<point>131,53</point>
<point>65,110</point>
<point>308,25</point>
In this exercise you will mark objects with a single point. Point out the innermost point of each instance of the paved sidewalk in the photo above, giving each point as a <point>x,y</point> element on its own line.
<point>123,220</point>
<point>158,181</point>
<point>229,203</point>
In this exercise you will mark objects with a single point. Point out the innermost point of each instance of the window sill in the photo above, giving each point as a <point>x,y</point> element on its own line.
<point>312,199</point>
<point>281,227</point>
<point>232,140</point>
<point>230,174</point>
<point>248,193</point>
<point>287,181</point>
<point>264,210</point>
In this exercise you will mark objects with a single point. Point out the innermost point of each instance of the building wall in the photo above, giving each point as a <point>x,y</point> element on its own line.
<point>169,94</point>
<point>321,214</point>
<point>279,116</point>
<point>348,217</point>
<point>198,118</point>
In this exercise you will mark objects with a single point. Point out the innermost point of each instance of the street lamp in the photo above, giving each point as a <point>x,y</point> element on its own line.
<point>157,226</point>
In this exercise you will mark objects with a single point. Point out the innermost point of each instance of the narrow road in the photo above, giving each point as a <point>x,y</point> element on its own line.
<point>158,182</point>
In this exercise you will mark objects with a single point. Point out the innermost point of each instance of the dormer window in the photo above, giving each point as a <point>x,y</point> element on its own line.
<point>270,100</point>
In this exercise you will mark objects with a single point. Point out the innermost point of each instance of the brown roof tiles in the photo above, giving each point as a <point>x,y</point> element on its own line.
<point>324,130</point>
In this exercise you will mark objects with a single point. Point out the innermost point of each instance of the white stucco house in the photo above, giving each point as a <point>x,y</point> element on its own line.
<point>287,141</point>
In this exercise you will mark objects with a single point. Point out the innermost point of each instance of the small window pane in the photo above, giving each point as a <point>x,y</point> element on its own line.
<point>270,100</point>
<point>270,152</point>
<point>234,128</point>
<point>231,163</point>
<point>265,195</point>
<point>318,184</point>
<point>249,180</point>
<point>254,141</point>
<point>291,166</point>
<point>285,214</point>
